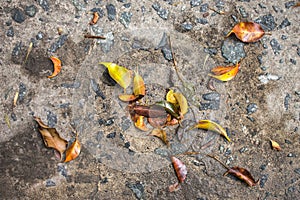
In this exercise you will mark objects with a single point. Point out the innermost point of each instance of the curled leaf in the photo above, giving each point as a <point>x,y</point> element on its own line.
<point>247,31</point>
<point>242,174</point>
<point>73,151</point>
<point>139,88</point>
<point>212,126</point>
<point>275,145</point>
<point>51,137</point>
<point>128,97</point>
<point>179,168</point>
<point>157,122</point>
<point>225,73</point>
<point>95,18</point>
<point>140,124</point>
<point>170,108</point>
<point>182,102</point>
<point>170,97</point>
<point>57,66</point>
<point>161,134</point>
<point>120,74</point>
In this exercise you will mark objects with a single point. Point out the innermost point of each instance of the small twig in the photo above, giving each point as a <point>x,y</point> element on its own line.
<point>219,12</point>
<point>217,159</point>
<point>28,51</point>
<point>94,36</point>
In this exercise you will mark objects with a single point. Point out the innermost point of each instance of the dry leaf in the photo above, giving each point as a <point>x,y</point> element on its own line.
<point>73,151</point>
<point>225,73</point>
<point>128,97</point>
<point>152,111</point>
<point>157,122</point>
<point>95,18</point>
<point>275,145</point>
<point>170,97</point>
<point>170,108</point>
<point>57,66</point>
<point>51,137</point>
<point>140,124</point>
<point>212,126</point>
<point>242,174</point>
<point>296,5</point>
<point>139,88</point>
<point>179,168</point>
<point>120,74</point>
<point>161,134</point>
<point>182,102</point>
<point>247,31</point>
<point>16,99</point>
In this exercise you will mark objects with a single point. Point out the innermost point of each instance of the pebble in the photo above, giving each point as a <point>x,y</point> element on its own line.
<point>137,188</point>
<point>284,37</point>
<point>59,43</point>
<point>293,61</point>
<point>211,50</point>
<point>204,7</point>
<point>195,3</point>
<point>202,21</point>
<point>31,10</point>
<point>50,183</point>
<point>111,135</point>
<point>287,141</point>
<point>243,150</point>
<point>71,85</point>
<point>111,12</point>
<point>165,47</point>
<point>275,46</point>
<point>62,170</point>
<point>213,105</point>
<point>22,92</point>
<point>110,121</point>
<point>251,108</point>
<point>284,24</point>
<point>18,15</point>
<point>212,96</point>
<point>162,13</point>
<point>289,4</point>
<point>265,78</point>
<point>275,8</point>
<point>44,4</point>
<point>104,180</point>
<point>122,1</point>
<point>125,18</point>
<point>187,26</point>
<point>13,116</point>
<point>297,171</point>
<point>127,5</point>
<point>40,35</point>
<point>219,4</point>
<point>127,145</point>
<point>96,89</point>
<point>267,22</point>
<point>235,18</point>
<point>298,51</point>
<point>8,23</point>
<point>51,118</point>
<point>17,50</point>
<point>10,32</point>
<point>99,11</point>
<point>263,180</point>
<point>233,51</point>
<point>243,12</point>
<point>126,123</point>
<point>286,101</point>
<point>291,155</point>
<point>263,167</point>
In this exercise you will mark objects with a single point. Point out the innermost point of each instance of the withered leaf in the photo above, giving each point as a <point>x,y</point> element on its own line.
<point>242,174</point>
<point>212,126</point>
<point>169,108</point>
<point>225,73</point>
<point>247,31</point>
<point>16,99</point>
<point>161,134</point>
<point>170,97</point>
<point>73,151</point>
<point>179,168</point>
<point>57,66</point>
<point>140,124</point>
<point>51,137</point>
<point>128,97</point>
<point>139,88</point>
<point>120,74</point>
<point>275,145</point>
<point>182,102</point>
<point>157,122</point>
<point>152,111</point>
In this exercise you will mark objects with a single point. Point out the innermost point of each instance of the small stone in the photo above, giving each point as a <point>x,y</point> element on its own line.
<point>162,13</point>
<point>202,21</point>
<point>265,78</point>
<point>10,32</point>
<point>287,141</point>
<point>8,23</point>
<point>109,121</point>
<point>127,145</point>
<point>104,180</point>
<point>284,24</point>
<point>127,5</point>
<point>263,167</point>
<point>286,101</point>
<point>213,105</point>
<point>125,18</point>
<point>195,3</point>
<point>96,89</point>
<point>62,170</point>
<point>44,4</point>
<point>284,37</point>
<point>293,61</point>
<point>243,12</point>
<point>111,135</point>
<point>233,51</point>
<point>59,43</point>
<point>211,51</point>
<point>18,15</point>
<point>137,188</point>
<point>235,18</point>
<point>13,116</point>
<point>263,180</point>
<point>275,46</point>
<point>227,152</point>
<point>251,108</point>
<point>50,183</point>
<point>187,26</point>
<point>243,150</point>
<point>99,11</point>
<point>264,68</point>
<point>275,8</point>
<point>219,4</point>
<point>291,155</point>
<point>212,96</point>
<point>52,119</point>
<point>298,51</point>
<point>204,7</point>
<point>40,35</point>
<point>289,4</point>
<point>22,92</point>
<point>267,22</point>
<point>111,12</point>
<point>31,10</point>
<point>297,171</point>
<point>122,1</point>
<point>74,85</point>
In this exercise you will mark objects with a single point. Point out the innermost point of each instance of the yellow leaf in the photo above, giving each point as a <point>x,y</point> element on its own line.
<point>120,74</point>
<point>139,88</point>
<point>228,75</point>
<point>140,124</point>
<point>170,97</point>
<point>73,151</point>
<point>161,134</point>
<point>275,145</point>
<point>182,102</point>
<point>212,126</point>
<point>127,97</point>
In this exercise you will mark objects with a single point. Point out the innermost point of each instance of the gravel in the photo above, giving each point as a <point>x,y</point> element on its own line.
<point>137,188</point>
<point>263,180</point>
<point>293,61</point>
<point>51,118</point>
<point>111,12</point>
<point>204,7</point>
<point>18,15</point>
<point>50,183</point>
<point>22,92</point>
<point>212,96</point>
<point>195,3</point>
<point>59,43</point>
<point>202,21</point>
<point>39,36</point>
<point>125,18</point>
<point>267,22</point>
<point>162,13</point>
<point>289,4</point>
<point>275,46</point>
<point>10,32</point>
<point>286,101</point>
<point>284,24</point>
<point>30,10</point>
<point>111,135</point>
<point>187,26</point>
<point>251,108</point>
<point>233,51</point>
<point>243,12</point>
<point>44,4</point>
<point>165,47</point>
<point>96,89</point>
<point>213,105</point>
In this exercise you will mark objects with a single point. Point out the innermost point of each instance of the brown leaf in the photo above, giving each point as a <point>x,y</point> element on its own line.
<point>51,137</point>
<point>57,66</point>
<point>247,31</point>
<point>161,134</point>
<point>140,124</point>
<point>152,111</point>
<point>174,187</point>
<point>242,174</point>
<point>157,122</point>
<point>275,145</point>
<point>73,151</point>
<point>182,102</point>
<point>179,168</point>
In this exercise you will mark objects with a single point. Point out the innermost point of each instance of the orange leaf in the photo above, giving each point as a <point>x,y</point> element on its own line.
<point>140,124</point>
<point>228,74</point>
<point>161,134</point>
<point>179,168</point>
<point>57,66</point>
<point>73,151</point>
<point>242,174</point>
<point>128,97</point>
<point>247,31</point>
<point>139,88</point>
<point>275,145</point>
<point>51,137</point>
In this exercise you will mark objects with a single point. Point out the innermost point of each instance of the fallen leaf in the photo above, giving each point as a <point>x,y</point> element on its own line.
<point>161,134</point>
<point>170,108</point>
<point>140,124</point>
<point>28,51</point>
<point>182,102</point>
<point>275,145</point>
<point>57,66</point>
<point>152,111</point>
<point>225,73</point>
<point>179,168</point>
<point>170,97</point>
<point>296,5</point>
<point>128,97</point>
<point>120,74</point>
<point>139,88</point>
<point>51,137</point>
<point>95,18</point>
<point>16,99</point>
<point>247,31</point>
<point>73,151</point>
<point>212,126</point>
<point>242,174</point>
<point>157,122</point>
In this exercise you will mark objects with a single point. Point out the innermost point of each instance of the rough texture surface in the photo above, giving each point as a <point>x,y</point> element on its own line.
<point>118,161</point>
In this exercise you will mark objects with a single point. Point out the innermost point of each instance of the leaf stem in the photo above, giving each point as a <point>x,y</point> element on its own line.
<point>217,159</point>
